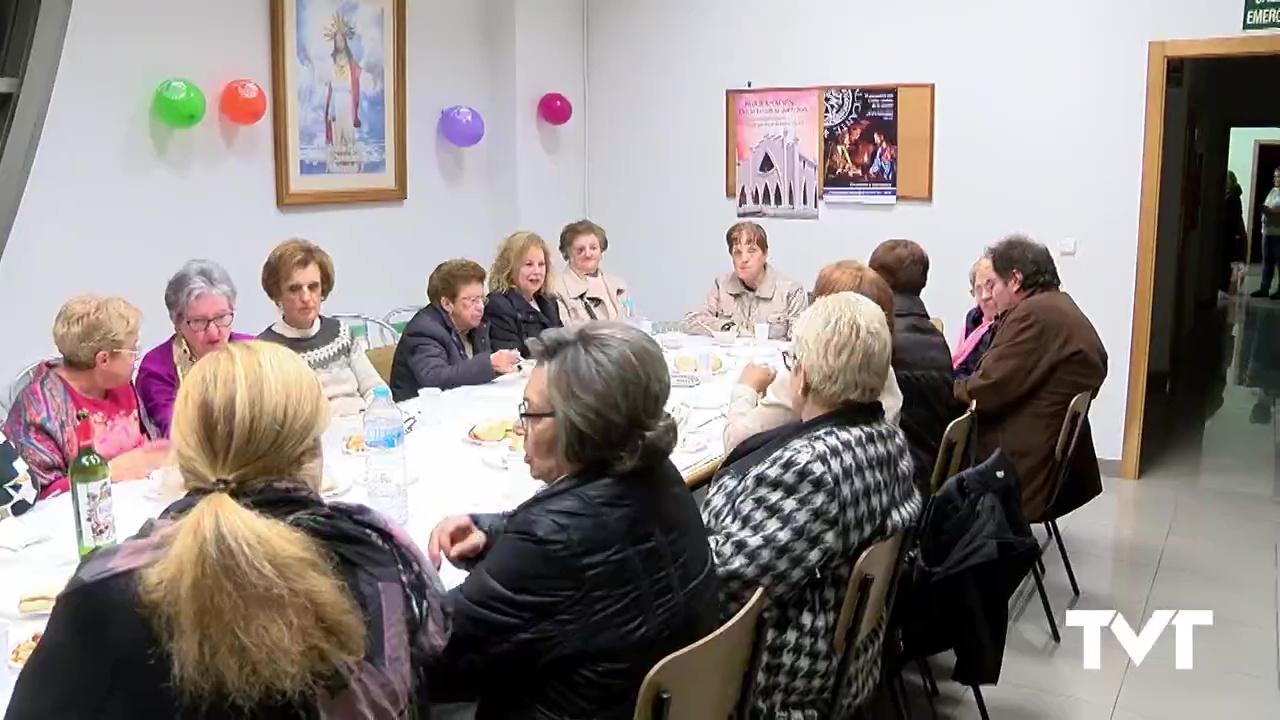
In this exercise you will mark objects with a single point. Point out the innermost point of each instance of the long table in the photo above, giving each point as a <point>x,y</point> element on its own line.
<point>449,475</point>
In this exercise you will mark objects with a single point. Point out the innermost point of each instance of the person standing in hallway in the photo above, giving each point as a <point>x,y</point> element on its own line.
<point>1233,244</point>
<point>1045,352</point>
<point>1270,239</point>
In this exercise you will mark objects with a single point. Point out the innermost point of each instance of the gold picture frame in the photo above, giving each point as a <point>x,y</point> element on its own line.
<point>338,88</point>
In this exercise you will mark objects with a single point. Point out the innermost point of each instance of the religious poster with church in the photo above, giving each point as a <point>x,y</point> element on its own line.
<point>778,135</point>
<point>860,144</point>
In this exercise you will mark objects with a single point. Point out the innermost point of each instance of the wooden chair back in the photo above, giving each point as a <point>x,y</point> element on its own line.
<point>870,589</point>
<point>953,451</point>
<point>1077,411</point>
<point>381,359</point>
<point>705,680</point>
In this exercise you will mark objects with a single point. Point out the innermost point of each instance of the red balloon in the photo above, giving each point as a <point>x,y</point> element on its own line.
<point>243,102</point>
<point>555,108</point>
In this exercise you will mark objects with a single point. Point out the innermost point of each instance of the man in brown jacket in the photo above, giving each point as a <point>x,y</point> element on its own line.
<point>1044,353</point>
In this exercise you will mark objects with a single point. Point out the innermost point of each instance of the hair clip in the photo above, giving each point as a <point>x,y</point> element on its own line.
<point>222,485</point>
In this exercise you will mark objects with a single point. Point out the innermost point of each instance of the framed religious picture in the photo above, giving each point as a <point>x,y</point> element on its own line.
<point>338,82</point>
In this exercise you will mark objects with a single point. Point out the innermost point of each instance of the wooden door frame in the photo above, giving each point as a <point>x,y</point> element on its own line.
<point>1253,185</point>
<point>1159,53</point>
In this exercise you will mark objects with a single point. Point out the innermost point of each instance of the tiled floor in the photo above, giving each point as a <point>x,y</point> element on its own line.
<point>1199,531</point>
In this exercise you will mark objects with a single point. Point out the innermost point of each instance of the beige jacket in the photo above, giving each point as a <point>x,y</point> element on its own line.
<point>749,413</point>
<point>581,302</point>
<point>778,301</point>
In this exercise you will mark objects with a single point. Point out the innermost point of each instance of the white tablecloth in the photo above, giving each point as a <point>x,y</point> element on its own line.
<point>453,476</point>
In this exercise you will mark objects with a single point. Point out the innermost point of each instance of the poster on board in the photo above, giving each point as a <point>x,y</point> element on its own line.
<point>778,134</point>
<point>860,140</point>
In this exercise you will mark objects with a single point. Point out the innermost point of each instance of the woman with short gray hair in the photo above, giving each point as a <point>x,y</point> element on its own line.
<point>201,300</point>
<point>604,572</point>
<point>793,508</point>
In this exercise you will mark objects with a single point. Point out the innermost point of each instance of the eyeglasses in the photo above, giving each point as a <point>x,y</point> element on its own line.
<point>526,415</point>
<point>202,324</point>
<point>475,301</point>
<point>984,289</point>
<point>789,360</point>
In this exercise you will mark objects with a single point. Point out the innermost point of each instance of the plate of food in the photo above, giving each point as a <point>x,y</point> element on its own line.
<point>689,364</point>
<point>689,444</point>
<point>684,380</point>
<point>353,444</point>
<point>491,433</point>
<point>33,599</point>
<point>20,651</point>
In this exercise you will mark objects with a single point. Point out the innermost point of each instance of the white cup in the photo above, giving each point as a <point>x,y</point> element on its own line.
<point>762,332</point>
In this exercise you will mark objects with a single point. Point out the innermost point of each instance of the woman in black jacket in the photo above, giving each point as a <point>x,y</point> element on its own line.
<point>577,593</point>
<point>921,358</point>
<point>520,305</point>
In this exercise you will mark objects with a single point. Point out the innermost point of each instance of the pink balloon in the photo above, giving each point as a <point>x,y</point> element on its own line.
<point>555,108</point>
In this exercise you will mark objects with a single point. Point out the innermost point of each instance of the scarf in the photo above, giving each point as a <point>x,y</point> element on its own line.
<point>356,537</point>
<point>968,343</point>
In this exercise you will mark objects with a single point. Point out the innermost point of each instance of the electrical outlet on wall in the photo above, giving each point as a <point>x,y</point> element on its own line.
<point>1067,247</point>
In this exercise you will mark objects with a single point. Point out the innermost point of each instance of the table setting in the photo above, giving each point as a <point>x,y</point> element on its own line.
<point>461,452</point>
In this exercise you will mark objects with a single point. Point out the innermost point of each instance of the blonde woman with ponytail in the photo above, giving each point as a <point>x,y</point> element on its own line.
<point>249,597</point>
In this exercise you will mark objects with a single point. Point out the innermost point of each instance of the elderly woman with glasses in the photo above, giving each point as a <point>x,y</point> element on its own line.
<point>979,322</point>
<point>794,507</point>
<point>201,300</point>
<point>98,340</point>
<point>574,595</point>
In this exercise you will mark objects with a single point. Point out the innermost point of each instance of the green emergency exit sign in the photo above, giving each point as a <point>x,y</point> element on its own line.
<point>1261,14</point>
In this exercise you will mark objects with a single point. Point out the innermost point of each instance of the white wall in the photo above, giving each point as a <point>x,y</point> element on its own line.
<point>1240,158</point>
<point>108,211</point>
<point>1039,126</point>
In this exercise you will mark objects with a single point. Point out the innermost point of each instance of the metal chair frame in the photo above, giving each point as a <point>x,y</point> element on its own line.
<point>383,327</point>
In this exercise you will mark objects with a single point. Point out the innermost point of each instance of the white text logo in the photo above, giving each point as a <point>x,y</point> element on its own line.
<point>1140,643</point>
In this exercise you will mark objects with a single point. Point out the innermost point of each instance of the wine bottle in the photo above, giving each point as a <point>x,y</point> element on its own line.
<point>90,479</point>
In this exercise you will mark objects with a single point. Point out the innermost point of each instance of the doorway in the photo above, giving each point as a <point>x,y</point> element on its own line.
<point>1266,160</point>
<point>1193,142</point>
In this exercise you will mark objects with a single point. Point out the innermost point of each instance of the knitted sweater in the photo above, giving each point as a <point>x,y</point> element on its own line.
<point>345,373</point>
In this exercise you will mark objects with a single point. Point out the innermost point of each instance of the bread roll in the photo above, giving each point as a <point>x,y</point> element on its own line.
<point>686,363</point>
<point>492,430</point>
<point>38,601</point>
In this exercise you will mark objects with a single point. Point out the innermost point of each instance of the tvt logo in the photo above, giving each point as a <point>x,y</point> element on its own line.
<point>1140,643</point>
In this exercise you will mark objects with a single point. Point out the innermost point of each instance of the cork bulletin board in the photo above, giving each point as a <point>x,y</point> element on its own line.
<point>915,139</point>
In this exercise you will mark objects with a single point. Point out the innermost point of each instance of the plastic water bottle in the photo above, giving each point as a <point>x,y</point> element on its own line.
<point>635,318</point>
<point>386,479</point>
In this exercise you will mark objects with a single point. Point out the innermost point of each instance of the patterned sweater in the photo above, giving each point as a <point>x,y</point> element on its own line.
<point>345,373</point>
<point>792,517</point>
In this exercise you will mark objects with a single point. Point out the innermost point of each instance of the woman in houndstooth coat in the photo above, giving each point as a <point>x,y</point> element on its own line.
<point>794,507</point>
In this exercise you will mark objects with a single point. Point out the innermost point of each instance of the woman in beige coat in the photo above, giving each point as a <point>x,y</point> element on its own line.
<point>762,398</point>
<point>584,291</point>
<point>753,293</point>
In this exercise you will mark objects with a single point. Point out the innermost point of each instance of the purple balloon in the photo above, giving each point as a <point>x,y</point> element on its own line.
<point>461,125</point>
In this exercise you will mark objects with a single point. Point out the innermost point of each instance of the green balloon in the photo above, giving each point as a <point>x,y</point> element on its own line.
<point>179,103</point>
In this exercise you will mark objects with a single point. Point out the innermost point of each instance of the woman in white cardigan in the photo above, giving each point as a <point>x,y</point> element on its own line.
<point>762,398</point>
